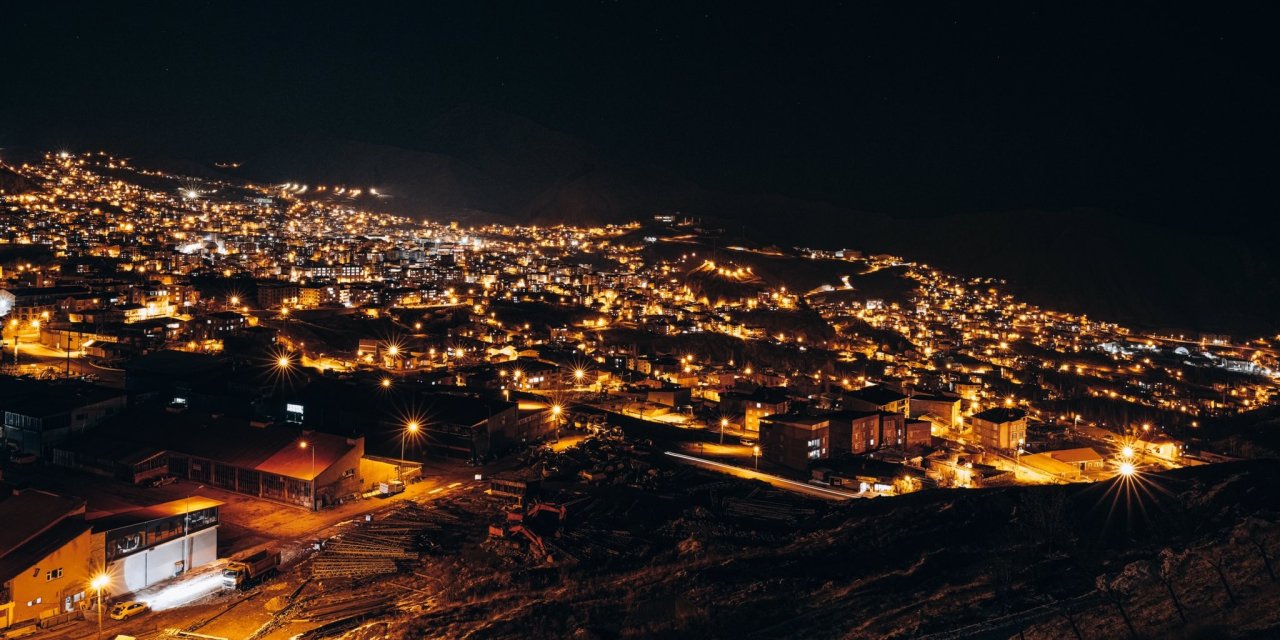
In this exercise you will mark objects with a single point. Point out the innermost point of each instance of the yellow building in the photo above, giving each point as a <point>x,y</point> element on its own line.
<point>1000,428</point>
<point>44,557</point>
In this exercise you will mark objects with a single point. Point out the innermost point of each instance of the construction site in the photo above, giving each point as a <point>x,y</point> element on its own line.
<point>447,563</point>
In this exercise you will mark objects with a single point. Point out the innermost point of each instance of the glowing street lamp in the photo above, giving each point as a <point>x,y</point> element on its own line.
<point>386,383</point>
<point>411,427</point>
<point>99,583</point>
<point>724,422</point>
<point>1127,469</point>
<point>303,445</point>
<point>393,351</point>
<point>283,362</point>
<point>1127,451</point>
<point>578,374</point>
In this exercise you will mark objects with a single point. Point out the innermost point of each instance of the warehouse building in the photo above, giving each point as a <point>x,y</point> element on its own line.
<point>140,547</point>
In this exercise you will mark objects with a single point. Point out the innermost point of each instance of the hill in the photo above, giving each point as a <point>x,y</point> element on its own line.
<point>475,165</point>
<point>1174,555</point>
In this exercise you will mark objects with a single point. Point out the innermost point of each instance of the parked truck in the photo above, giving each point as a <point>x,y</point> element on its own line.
<point>390,487</point>
<point>245,573</point>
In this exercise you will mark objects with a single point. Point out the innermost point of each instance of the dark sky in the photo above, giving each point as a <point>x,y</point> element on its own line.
<point>1159,112</point>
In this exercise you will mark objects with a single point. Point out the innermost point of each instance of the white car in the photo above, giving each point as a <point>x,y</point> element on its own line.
<point>126,610</point>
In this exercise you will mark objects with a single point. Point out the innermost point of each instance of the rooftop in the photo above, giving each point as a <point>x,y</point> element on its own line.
<point>29,513</point>
<point>139,515</point>
<point>877,395</point>
<point>233,440</point>
<point>1083,454</point>
<point>1000,415</point>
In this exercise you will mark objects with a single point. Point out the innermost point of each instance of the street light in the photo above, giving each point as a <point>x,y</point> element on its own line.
<point>99,583</point>
<point>17,337</point>
<point>724,422</point>
<point>1127,469</point>
<point>283,362</point>
<point>303,445</point>
<point>755,451</point>
<point>411,427</point>
<point>386,383</point>
<point>555,418</point>
<point>186,530</point>
<point>578,374</point>
<point>1127,452</point>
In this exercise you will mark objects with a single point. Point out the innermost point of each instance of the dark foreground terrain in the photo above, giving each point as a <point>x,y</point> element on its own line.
<point>1184,554</point>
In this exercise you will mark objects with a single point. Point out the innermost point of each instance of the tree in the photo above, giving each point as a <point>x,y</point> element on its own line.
<point>1114,592</point>
<point>1043,518</point>
<point>1167,566</point>
<point>1253,531</point>
<point>1066,613</point>
<point>1217,559</point>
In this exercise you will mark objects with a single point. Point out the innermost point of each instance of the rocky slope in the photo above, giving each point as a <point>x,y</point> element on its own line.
<point>1190,553</point>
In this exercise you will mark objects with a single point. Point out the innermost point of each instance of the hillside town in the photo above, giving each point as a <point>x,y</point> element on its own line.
<point>212,387</point>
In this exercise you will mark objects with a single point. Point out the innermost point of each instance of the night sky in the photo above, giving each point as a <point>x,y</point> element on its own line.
<point>1155,112</point>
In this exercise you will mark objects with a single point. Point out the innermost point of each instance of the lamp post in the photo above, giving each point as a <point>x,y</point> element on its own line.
<point>411,427</point>
<point>555,419</point>
<point>303,445</point>
<point>755,451</point>
<point>99,583</point>
<point>17,337</point>
<point>186,529</point>
<point>724,422</point>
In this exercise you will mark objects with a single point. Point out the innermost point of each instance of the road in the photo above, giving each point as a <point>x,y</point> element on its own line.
<point>776,481</point>
<point>35,358</point>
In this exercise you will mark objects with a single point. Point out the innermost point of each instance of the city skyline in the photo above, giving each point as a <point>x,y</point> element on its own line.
<point>619,320</point>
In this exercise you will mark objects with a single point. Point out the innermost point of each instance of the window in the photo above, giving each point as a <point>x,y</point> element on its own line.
<point>53,574</point>
<point>815,443</point>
